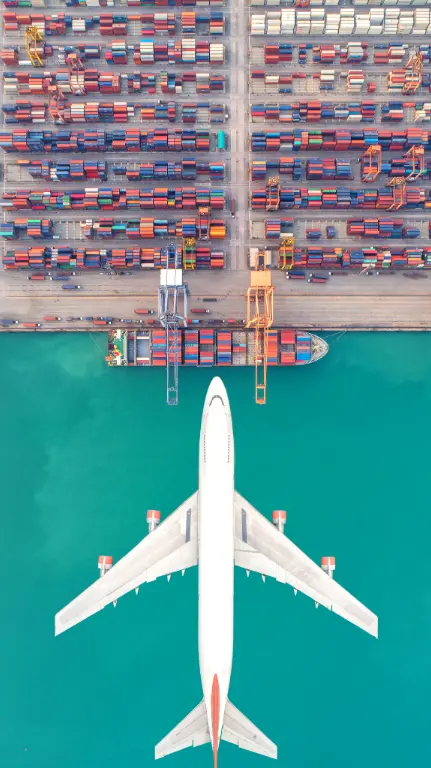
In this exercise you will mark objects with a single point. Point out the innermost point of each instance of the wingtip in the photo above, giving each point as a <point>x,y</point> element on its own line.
<point>59,628</point>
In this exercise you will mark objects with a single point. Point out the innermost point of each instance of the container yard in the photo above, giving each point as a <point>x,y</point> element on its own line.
<point>202,166</point>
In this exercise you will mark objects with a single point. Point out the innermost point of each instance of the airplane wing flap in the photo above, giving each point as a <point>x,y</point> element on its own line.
<point>171,547</point>
<point>262,548</point>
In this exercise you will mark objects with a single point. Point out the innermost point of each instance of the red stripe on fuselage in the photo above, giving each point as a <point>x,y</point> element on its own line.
<point>215,715</point>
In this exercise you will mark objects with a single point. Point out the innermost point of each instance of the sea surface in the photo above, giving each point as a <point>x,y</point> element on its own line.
<point>84,450</point>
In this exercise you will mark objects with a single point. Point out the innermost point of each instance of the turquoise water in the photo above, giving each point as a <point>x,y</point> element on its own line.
<point>85,450</point>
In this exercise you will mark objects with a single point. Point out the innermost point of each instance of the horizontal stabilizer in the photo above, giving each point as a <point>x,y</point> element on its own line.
<point>240,731</point>
<point>190,732</point>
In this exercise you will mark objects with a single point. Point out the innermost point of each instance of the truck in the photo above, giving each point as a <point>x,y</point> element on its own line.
<point>36,277</point>
<point>232,207</point>
<point>50,318</point>
<point>200,311</point>
<point>59,277</point>
<point>70,287</point>
<point>144,311</point>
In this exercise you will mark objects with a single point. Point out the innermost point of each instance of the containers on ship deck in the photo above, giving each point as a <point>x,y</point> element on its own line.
<point>206,347</point>
<point>224,347</point>
<point>287,347</point>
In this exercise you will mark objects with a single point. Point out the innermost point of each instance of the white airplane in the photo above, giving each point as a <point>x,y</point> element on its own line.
<point>216,528</point>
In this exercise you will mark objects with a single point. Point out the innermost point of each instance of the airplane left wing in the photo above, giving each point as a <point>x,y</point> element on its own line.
<point>261,547</point>
<point>171,547</point>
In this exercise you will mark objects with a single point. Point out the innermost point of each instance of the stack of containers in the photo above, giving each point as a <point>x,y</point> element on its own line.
<point>206,347</point>
<point>116,198</point>
<point>175,347</point>
<point>276,228</point>
<point>303,347</point>
<point>328,168</point>
<point>191,347</point>
<point>162,169</point>
<point>290,166</point>
<point>124,140</point>
<point>287,347</point>
<point>339,197</point>
<point>158,348</point>
<point>339,139</point>
<point>24,111</point>
<point>224,348</point>
<point>66,171</point>
<point>35,228</point>
<point>272,349</point>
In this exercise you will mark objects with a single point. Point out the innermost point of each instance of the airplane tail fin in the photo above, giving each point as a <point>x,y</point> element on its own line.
<point>240,731</point>
<point>190,732</point>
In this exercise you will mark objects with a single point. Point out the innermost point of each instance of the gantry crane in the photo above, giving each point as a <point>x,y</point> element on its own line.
<point>33,36</point>
<point>172,291</point>
<point>57,103</point>
<point>273,194</point>
<point>286,252</point>
<point>204,214</point>
<point>76,68</point>
<point>189,253</point>
<point>414,70</point>
<point>372,162</point>
<point>398,184</point>
<point>417,155</point>
<point>260,316</point>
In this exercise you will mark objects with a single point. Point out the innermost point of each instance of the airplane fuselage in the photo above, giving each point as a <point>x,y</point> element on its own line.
<point>216,557</point>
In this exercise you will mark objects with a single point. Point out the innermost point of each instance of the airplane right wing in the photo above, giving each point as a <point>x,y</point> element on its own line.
<point>171,547</point>
<point>261,547</point>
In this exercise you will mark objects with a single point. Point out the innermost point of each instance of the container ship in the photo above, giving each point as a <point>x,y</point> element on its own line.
<point>209,347</point>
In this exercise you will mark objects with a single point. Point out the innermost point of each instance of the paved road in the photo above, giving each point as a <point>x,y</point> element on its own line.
<point>388,301</point>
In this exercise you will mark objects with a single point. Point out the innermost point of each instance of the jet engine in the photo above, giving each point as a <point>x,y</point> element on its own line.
<point>153,519</point>
<point>327,564</point>
<point>104,564</point>
<point>279,519</point>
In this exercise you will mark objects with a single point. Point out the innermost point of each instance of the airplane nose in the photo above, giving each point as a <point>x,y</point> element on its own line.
<point>217,388</point>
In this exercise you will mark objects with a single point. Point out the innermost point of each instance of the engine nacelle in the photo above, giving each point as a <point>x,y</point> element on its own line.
<point>153,519</point>
<point>279,519</point>
<point>327,564</point>
<point>104,564</point>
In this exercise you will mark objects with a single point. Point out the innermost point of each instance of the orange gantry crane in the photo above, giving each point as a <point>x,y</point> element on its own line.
<point>414,70</point>
<point>371,162</point>
<point>76,77</point>
<point>33,36</point>
<point>417,155</point>
<point>57,103</point>
<point>260,316</point>
<point>398,184</point>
